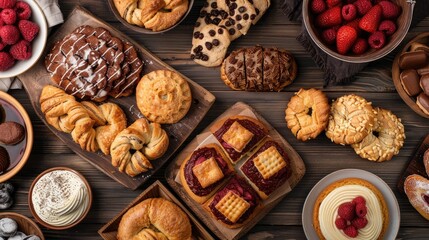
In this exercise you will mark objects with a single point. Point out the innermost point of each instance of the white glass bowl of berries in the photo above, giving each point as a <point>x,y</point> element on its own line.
<point>357,31</point>
<point>23,34</point>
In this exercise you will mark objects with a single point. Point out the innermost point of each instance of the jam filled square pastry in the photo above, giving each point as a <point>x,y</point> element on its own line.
<point>238,135</point>
<point>235,204</point>
<point>203,172</point>
<point>268,168</point>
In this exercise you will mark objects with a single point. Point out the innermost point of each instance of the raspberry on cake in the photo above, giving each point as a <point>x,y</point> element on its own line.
<point>203,172</point>
<point>238,135</point>
<point>268,168</point>
<point>359,205</point>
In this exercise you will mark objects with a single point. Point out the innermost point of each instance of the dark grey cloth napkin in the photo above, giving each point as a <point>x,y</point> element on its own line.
<point>336,72</point>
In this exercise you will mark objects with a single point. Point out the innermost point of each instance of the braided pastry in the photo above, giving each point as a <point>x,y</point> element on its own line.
<point>133,147</point>
<point>90,63</point>
<point>64,113</point>
<point>155,218</point>
<point>156,15</point>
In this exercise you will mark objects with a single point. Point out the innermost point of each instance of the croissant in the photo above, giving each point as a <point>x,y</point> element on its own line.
<point>134,146</point>
<point>155,218</point>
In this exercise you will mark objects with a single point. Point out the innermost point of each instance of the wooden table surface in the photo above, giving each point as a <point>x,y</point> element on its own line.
<point>320,155</point>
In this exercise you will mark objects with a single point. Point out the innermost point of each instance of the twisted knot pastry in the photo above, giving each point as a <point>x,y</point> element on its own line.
<point>92,127</point>
<point>351,119</point>
<point>307,113</point>
<point>167,218</point>
<point>133,147</point>
<point>90,63</point>
<point>156,15</point>
<point>388,141</point>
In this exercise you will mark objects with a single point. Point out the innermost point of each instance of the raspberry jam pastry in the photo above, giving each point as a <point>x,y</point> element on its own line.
<point>203,172</point>
<point>235,204</point>
<point>238,135</point>
<point>268,168</point>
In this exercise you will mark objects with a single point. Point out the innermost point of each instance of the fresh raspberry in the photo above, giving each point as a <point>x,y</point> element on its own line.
<point>2,45</point>
<point>377,40</point>
<point>318,6</point>
<point>333,3</point>
<point>359,199</point>
<point>351,1</point>
<point>9,34</point>
<point>23,10</point>
<point>349,12</point>
<point>361,210</point>
<point>346,36</point>
<point>6,61</point>
<point>7,3</point>
<point>363,6</point>
<point>329,18</point>
<point>21,50</point>
<point>28,29</point>
<point>360,46</point>
<point>341,223</point>
<point>1,22</point>
<point>390,9</point>
<point>8,16</point>
<point>346,210</point>
<point>359,223</point>
<point>371,20</point>
<point>329,36</point>
<point>351,231</point>
<point>388,27</point>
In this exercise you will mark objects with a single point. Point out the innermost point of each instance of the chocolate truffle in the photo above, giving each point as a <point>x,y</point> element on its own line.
<point>424,83</point>
<point>423,102</point>
<point>413,60</point>
<point>410,81</point>
<point>11,133</point>
<point>4,159</point>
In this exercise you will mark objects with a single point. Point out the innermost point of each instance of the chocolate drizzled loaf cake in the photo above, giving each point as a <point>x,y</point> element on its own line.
<point>90,63</point>
<point>259,69</point>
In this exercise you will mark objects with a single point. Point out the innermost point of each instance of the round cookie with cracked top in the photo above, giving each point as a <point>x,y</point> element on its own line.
<point>210,46</point>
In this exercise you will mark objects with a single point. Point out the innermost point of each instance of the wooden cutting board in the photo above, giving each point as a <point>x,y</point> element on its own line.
<point>415,164</point>
<point>37,77</point>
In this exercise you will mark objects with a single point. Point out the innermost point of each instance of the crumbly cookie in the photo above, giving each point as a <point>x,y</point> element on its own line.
<point>163,96</point>
<point>210,14</point>
<point>210,46</point>
<point>351,119</point>
<point>241,12</point>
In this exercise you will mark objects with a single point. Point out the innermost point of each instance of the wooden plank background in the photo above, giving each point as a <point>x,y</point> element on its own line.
<point>320,155</point>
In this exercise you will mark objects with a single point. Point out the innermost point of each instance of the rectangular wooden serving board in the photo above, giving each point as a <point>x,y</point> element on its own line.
<point>110,230</point>
<point>37,77</point>
<point>297,164</point>
<point>415,164</point>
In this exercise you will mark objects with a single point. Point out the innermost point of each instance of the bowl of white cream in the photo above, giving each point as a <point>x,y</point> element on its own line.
<point>59,198</point>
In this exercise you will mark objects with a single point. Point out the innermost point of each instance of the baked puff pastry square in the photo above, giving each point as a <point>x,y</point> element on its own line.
<point>268,168</point>
<point>238,135</point>
<point>235,204</point>
<point>204,171</point>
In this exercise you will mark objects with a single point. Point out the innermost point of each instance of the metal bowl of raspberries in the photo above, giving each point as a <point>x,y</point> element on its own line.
<point>23,34</point>
<point>357,31</point>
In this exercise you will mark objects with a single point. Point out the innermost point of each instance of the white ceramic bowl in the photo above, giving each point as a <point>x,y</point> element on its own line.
<point>37,45</point>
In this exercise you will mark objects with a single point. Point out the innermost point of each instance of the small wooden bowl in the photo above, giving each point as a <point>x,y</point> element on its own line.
<point>25,224</point>
<point>142,29</point>
<point>45,224</point>
<point>410,101</point>
<point>27,145</point>
<point>404,22</point>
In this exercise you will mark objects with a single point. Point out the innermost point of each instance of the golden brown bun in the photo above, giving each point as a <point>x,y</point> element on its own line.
<point>417,188</point>
<point>166,217</point>
<point>350,181</point>
<point>116,122</point>
<point>303,125</point>
<point>202,199</point>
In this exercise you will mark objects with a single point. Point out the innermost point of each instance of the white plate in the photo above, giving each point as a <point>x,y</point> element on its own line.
<point>37,45</point>
<point>392,203</point>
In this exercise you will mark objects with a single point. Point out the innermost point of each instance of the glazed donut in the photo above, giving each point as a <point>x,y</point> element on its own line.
<point>155,218</point>
<point>134,146</point>
<point>390,138</point>
<point>417,189</point>
<point>307,113</point>
<point>350,120</point>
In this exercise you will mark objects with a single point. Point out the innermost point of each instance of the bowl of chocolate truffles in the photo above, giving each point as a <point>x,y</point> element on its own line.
<point>16,136</point>
<point>410,74</point>
<point>357,31</point>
